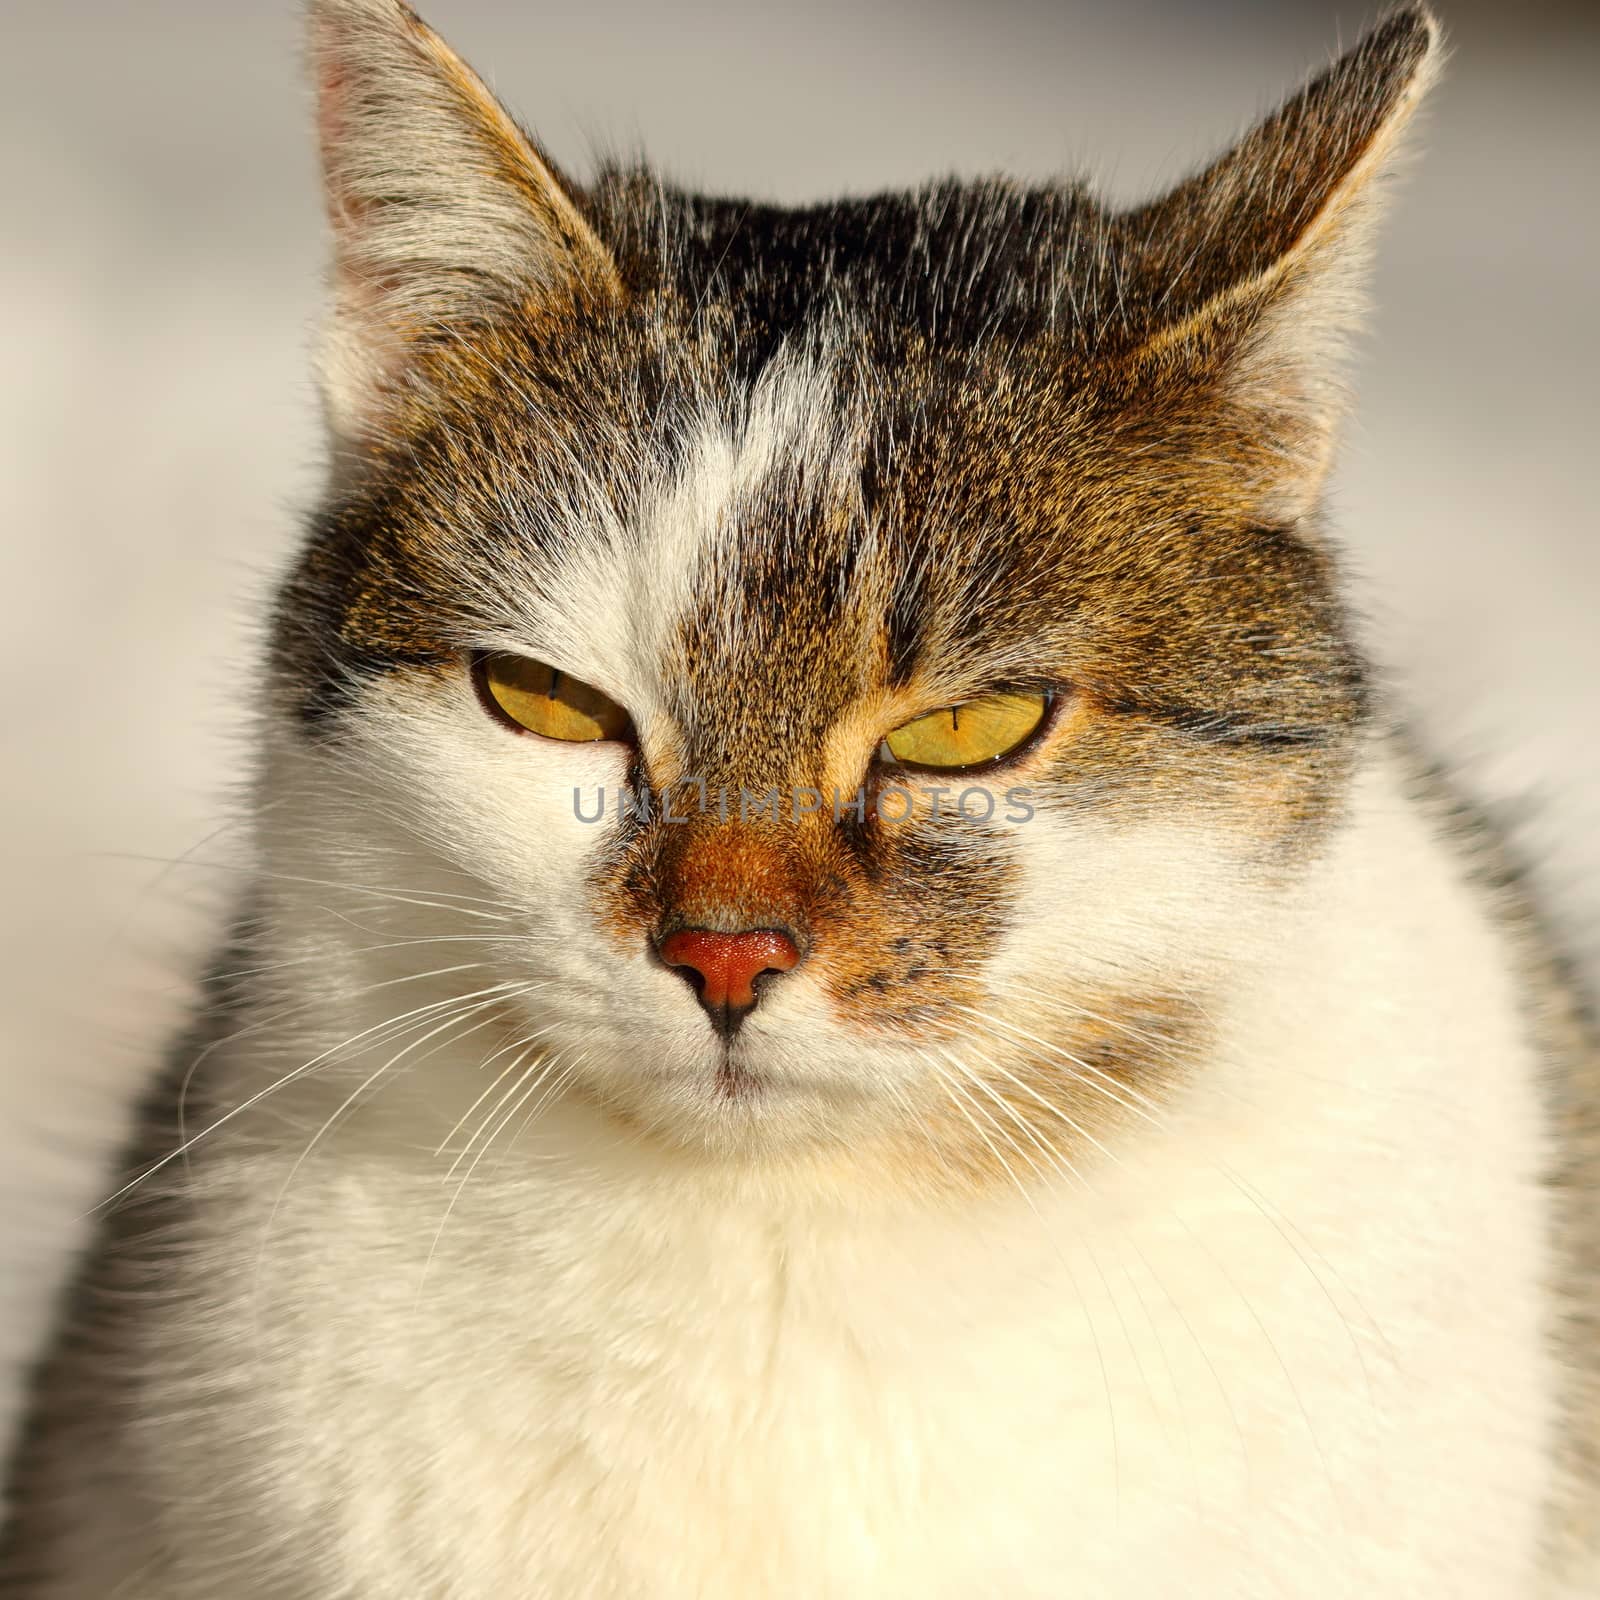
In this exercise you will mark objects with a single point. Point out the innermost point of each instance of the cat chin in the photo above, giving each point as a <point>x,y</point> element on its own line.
<point>731,1104</point>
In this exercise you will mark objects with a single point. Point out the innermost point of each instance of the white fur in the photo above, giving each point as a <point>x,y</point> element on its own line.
<point>1284,1341</point>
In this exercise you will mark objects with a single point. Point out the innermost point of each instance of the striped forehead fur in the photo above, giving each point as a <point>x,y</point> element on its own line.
<point>788,441</point>
<point>600,575</point>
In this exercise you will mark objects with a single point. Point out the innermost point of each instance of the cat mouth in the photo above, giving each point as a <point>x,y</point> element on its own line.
<point>735,1082</point>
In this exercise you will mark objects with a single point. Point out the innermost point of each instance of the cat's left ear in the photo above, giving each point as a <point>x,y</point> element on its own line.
<point>444,214</point>
<point>1252,271</point>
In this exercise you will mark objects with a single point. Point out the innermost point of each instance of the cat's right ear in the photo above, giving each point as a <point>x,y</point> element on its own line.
<point>444,214</point>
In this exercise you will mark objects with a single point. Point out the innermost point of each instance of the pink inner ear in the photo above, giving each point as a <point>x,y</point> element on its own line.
<point>333,129</point>
<point>330,84</point>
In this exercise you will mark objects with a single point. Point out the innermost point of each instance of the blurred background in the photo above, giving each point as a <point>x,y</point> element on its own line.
<point>162,278</point>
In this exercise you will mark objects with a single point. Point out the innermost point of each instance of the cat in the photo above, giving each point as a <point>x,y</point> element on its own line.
<point>850,987</point>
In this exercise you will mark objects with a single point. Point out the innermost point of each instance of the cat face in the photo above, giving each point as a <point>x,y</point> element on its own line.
<point>769,486</point>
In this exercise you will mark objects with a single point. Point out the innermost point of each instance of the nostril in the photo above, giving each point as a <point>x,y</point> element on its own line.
<point>724,968</point>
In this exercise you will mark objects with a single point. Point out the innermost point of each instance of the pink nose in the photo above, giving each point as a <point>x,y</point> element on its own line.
<point>722,968</point>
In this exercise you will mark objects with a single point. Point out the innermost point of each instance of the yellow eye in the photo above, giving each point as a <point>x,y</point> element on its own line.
<point>546,701</point>
<point>970,734</point>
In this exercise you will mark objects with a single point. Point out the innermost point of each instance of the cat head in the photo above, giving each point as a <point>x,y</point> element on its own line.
<point>873,667</point>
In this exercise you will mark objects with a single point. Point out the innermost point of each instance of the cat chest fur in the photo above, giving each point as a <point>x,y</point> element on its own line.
<point>745,1414</point>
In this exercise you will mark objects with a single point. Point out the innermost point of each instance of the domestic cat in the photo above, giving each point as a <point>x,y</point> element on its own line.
<point>849,985</point>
